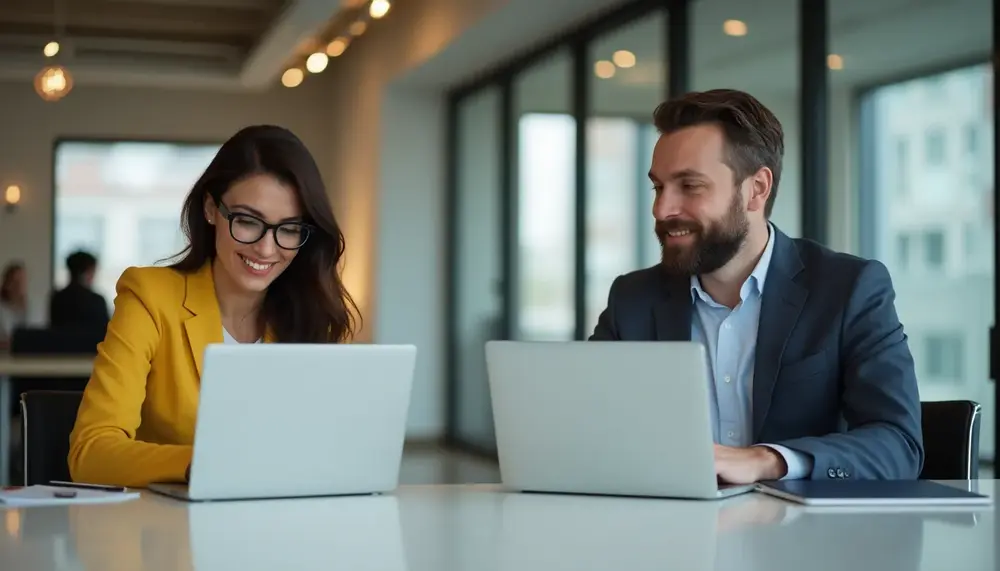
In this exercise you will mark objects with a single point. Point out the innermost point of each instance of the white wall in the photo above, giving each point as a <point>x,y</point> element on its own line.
<point>386,160</point>
<point>31,127</point>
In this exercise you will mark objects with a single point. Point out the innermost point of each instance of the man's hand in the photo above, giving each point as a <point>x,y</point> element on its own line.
<point>748,465</point>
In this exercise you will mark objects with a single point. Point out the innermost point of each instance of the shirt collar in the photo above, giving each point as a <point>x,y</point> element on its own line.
<point>754,283</point>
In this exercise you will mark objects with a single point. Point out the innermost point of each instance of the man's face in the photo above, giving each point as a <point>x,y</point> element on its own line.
<point>700,210</point>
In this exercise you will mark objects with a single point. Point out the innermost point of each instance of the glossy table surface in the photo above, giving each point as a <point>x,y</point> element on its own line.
<point>447,528</point>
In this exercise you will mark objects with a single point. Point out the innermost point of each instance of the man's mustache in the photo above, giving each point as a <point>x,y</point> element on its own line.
<point>662,227</point>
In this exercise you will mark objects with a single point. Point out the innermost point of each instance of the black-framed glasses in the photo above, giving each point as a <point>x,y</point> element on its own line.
<point>248,229</point>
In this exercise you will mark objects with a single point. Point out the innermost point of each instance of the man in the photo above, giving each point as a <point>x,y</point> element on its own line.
<point>78,305</point>
<point>810,370</point>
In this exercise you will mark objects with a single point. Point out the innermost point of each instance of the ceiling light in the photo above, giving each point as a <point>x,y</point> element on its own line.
<point>358,28</point>
<point>834,61</point>
<point>292,77</point>
<point>51,49</point>
<point>379,8</point>
<point>604,69</point>
<point>53,83</point>
<point>317,62</point>
<point>623,58</point>
<point>336,47</point>
<point>734,27</point>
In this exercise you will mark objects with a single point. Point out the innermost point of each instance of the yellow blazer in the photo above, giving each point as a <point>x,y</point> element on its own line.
<point>136,422</point>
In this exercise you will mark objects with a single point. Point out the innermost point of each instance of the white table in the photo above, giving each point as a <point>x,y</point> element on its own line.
<point>480,528</point>
<point>31,366</point>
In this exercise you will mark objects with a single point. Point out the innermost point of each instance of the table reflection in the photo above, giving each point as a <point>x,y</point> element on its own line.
<point>355,532</point>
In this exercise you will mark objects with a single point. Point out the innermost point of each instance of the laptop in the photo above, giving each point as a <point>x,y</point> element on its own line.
<point>607,418</point>
<point>298,420</point>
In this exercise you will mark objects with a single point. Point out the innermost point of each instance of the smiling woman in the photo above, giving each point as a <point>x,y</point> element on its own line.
<point>261,264</point>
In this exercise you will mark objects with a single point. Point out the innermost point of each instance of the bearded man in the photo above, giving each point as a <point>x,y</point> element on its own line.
<point>810,372</point>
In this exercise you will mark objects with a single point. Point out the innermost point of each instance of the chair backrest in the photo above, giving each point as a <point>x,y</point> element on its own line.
<point>951,439</point>
<point>47,419</point>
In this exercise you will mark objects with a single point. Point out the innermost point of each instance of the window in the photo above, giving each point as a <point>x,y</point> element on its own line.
<point>943,357</point>
<point>546,197</point>
<point>903,250</point>
<point>160,238</point>
<point>122,201</point>
<point>971,140</point>
<point>934,152</point>
<point>479,290</point>
<point>934,249</point>
<point>903,165</point>
<point>954,231</point>
<point>619,198</point>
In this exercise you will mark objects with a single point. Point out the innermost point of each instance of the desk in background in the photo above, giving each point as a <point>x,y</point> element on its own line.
<point>22,366</point>
<point>481,528</point>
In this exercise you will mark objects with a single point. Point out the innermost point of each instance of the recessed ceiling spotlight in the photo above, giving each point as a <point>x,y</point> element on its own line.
<point>834,61</point>
<point>379,8</point>
<point>734,27</point>
<point>358,28</point>
<point>292,77</point>
<point>604,69</point>
<point>317,62</point>
<point>336,47</point>
<point>623,58</point>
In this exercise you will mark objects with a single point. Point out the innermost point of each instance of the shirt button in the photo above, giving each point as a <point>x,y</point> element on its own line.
<point>728,379</point>
<point>727,325</point>
<point>732,434</point>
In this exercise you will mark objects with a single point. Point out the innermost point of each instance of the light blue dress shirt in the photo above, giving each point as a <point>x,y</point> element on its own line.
<point>730,340</point>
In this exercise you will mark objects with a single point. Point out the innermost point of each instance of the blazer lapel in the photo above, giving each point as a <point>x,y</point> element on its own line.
<point>782,302</point>
<point>672,312</point>
<point>205,324</point>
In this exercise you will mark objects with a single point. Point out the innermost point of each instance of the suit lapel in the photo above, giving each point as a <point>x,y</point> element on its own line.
<point>672,312</point>
<point>205,324</point>
<point>781,305</point>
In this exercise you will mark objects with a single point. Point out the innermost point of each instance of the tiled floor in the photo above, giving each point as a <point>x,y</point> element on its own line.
<point>429,465</point>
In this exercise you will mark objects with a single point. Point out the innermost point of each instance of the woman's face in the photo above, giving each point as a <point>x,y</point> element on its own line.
<point>18,284</point>
<point>253,204</point>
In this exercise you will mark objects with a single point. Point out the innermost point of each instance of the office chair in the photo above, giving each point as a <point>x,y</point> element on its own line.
<point>47,419</point>
<point>951,439</point>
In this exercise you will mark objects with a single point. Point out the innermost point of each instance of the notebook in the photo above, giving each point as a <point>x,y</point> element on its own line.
<point>872,493</point>
<point>34,496</point>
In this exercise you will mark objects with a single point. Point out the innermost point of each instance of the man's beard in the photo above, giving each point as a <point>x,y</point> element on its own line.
<point>711,247</point>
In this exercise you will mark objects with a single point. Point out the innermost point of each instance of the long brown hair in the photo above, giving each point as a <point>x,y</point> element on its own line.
<point>8,280</point>
<point>307,303</point>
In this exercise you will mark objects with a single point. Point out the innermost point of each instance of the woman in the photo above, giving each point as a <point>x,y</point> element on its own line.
<point>13,301</point>
<point>261,264</point>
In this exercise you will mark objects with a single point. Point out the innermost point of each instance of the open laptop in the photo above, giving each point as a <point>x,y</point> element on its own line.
<point>291,420</point>
<point>614,418</point>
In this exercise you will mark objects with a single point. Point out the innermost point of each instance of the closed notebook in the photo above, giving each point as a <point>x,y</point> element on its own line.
<point>31,496</point>
<point>872,492</point>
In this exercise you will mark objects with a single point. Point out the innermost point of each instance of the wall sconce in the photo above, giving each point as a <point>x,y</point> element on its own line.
<point>12,197</point>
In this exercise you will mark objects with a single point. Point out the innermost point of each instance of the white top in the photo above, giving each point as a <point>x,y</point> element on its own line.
<point>11,319</point>
<point>227,338</point>
<point>480,528</point>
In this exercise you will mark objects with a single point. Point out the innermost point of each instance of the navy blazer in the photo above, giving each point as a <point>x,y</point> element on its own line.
<point>833,374</point>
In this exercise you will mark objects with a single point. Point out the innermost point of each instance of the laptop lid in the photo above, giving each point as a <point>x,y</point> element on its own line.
<point>287,420</point>
<point>620,418</point>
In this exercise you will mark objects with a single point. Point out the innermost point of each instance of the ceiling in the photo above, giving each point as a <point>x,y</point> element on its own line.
<point>877,39</point>
<point>240,44</point>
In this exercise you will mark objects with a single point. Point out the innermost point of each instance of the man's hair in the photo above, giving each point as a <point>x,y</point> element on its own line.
<point>754,137</point>
<point>79,263</point>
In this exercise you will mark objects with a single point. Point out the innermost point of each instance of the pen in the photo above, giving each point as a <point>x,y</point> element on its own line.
<point>81,486</point>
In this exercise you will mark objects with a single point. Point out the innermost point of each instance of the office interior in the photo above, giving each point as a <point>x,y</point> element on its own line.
<point>487,159</point>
